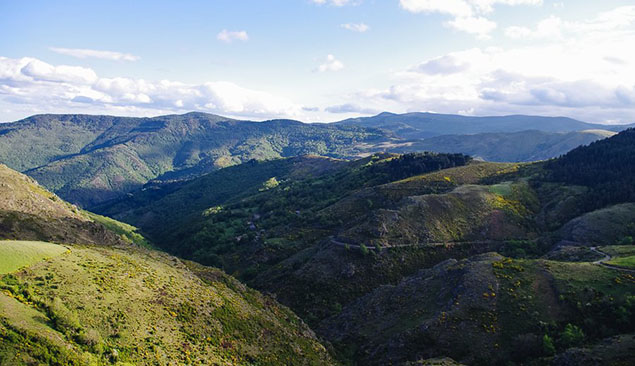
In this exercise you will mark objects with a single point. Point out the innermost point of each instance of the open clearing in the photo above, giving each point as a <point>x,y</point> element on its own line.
<point>17,254</point>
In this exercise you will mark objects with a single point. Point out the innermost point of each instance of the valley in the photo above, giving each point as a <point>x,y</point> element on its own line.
<point>388,258</point>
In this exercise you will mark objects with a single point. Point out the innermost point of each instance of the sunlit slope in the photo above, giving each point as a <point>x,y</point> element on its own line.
<point>17,254</point>
<point>102,305</point>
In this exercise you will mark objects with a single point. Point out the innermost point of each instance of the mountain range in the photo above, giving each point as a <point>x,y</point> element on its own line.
<point>88,160</point>
<point>218,241</point>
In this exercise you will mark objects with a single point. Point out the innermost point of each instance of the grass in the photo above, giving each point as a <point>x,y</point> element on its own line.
<point>623,255</point>
<point>626,262</point>
<point>18,254</point>
<point>127,232</point>
<point>147,308</point>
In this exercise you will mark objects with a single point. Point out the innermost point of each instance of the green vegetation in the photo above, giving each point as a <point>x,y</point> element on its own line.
<point>612,157</point>
<point>392,259</point>
<point>91,159</point>
<point>127,232</point>
<point>146,308</point>
<point>17,254</point>
<point>512,146</point>
<point>30,212</point>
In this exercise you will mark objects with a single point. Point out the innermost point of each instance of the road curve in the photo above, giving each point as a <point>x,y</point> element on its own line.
<point>607,257</point>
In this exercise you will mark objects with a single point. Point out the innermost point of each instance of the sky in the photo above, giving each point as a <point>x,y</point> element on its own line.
<point>319,60</point>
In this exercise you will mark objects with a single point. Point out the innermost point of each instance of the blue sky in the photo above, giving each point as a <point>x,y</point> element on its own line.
<point>319,60</point>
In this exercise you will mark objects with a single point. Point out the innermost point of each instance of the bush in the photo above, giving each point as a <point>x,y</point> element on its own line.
<point>63,318</point>
<point>364,249</point>
<point>547,345</point>
<point>92,339</point>
<point>571,336</point>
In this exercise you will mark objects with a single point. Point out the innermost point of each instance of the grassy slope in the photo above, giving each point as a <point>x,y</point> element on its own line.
<point>17,254</point>
<point>145,308</point>
<point>623,255</point>
<point>30,212</point>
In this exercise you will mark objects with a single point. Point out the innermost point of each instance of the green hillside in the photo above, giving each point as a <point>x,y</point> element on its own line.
<point>90,159</point>
<point>372,253</point>
<point>424,125</point>
<point>488,310</point>
<point>145,308</point>
<point>30,212</point>
<point>107,301</point>
<point>523,146</point>
<point>18,254</point>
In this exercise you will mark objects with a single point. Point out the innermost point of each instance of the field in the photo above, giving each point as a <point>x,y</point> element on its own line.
<point>17,254</point>
<point>623,255</point>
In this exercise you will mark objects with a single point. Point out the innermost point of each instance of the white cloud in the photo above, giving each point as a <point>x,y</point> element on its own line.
<point>36,86</point>
<point>231,36</point>
<point>330,64</point>
<point>583,69</point>
<point>553,27</point>
<point>468,15</point>
<point>88,53</point>
<point>356,27</point>
<point>478,26</point>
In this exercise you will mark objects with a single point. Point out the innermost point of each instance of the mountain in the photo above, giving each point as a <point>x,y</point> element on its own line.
<point>523,146</point>
<point>93,297</point>
<point>390,258</point>
<point>90,159</point>
<point>424,125</point>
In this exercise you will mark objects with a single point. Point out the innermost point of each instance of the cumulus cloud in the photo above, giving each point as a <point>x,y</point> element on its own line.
<point>553,27</point>
<point>37,85</point>
<point>447,64</point>
<point>583,69</point>
<point>356,27</point>
<point>88,53</point>
<point>468,15</point>
<point>330,64</point>
<point>231,36</point>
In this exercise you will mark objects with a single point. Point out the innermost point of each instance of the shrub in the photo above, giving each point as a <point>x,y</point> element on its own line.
<point>571,336</point>
<point>63,318</point>
<point>364,249</point>
<point>547,345</point>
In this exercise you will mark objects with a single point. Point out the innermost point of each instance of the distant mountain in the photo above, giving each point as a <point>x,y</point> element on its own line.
<point>424,125</point>
<point>89,159</point>
<point>521,146</point>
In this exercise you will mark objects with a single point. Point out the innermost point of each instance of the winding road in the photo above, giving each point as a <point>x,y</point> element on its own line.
<point>608,257</point>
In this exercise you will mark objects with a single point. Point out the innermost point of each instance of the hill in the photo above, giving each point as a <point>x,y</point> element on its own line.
<point>90,159</point>
<point>30,212</point>
<point>523,146</point>
<point>425,125</point>
<point>97,299</point>
<point>342,245</point>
